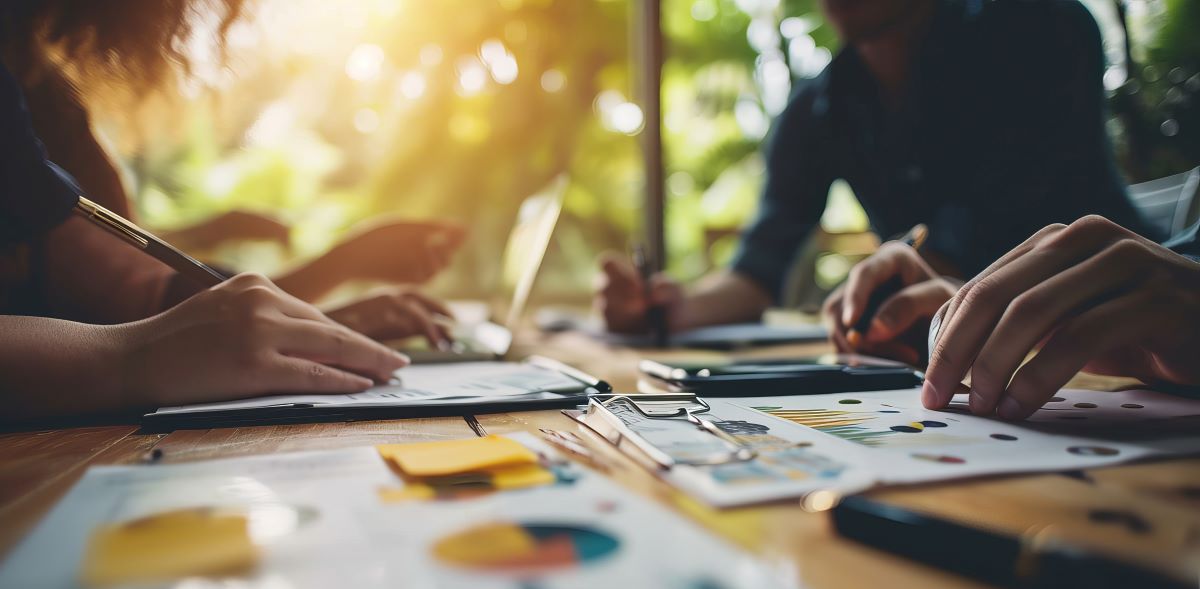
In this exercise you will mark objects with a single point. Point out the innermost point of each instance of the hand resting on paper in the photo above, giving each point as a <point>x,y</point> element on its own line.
<point>901,324</point>
<point>247,337</point>
<point>1093,294</point>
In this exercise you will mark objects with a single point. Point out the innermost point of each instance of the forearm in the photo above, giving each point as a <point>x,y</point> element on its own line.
<point>311,280</point>
<point>51,368</point>
<point>723,297</point>
<point>84,267</point>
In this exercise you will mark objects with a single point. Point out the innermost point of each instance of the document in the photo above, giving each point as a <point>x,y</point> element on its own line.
<point>849,442</point>
<point>318,519</point>
<point>420,385</point>
<point>892,435</point>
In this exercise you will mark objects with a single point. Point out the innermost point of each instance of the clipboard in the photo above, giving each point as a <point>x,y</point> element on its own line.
<point>572,388</point>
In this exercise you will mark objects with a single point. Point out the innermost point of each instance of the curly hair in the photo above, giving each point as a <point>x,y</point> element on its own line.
<point>135,46</point>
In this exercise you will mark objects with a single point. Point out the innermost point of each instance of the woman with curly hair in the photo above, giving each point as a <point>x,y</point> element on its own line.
<point>89,326</point>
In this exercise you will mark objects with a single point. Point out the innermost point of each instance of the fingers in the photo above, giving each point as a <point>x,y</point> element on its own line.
<point>1033,314</point>
<point>621,277</point>
<point>335,345</point>
<point>434,333</point>
<point>664,291</point>
<point>297,375</point>
<point>1004,260</point>
<point>904,309</point>
<point>831,312</point>
<point>397,315</point>
<point>619,295</point>
<point>892,259</point>
<point>980,303</point>
<point>430,303</point>
<point>1124,321</point>
<point>893,350</point>
<point>940,381</point>
<point>975,311</point>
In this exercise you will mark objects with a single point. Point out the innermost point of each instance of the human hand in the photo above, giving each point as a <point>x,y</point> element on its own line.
<point>901,323</point>
<point>246,337</point>
<point>1099,296</point>
<point>621,296</point>
<point>236,225</point>
<point>396,313</point>
<point>397,252</point>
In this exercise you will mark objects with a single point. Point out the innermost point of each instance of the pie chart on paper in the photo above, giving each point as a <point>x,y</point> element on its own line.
<point>506,547</point>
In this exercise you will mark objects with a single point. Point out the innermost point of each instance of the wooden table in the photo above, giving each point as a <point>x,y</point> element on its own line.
<point>38,467</point>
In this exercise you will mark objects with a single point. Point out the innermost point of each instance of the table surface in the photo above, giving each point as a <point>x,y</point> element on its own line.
<point>38,467</point>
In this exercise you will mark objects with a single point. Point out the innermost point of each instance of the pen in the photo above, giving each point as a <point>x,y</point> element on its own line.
<point>571,444</point>
<point>571,371</point>
<point>1006,560</point>
<point>656,315</point>
<point>914,238</point>
<point>147,242</point>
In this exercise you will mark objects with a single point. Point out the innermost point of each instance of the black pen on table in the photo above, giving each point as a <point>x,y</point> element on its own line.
<point>1024,560</point>
<point>147,242</point>
<point>914,238</point>
<point>656,315</point>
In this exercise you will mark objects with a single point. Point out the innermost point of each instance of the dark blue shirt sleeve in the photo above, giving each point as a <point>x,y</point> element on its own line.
<point>793,198</point>
<point>35,194</point>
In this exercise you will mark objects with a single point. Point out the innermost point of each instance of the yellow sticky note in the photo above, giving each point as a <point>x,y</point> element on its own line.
<point>412,492</point>
<point>518,477</point>
<point>431,459</point>
<point>169,545</point>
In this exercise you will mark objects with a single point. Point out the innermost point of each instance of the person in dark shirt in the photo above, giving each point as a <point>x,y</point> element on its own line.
<point>983,120</point>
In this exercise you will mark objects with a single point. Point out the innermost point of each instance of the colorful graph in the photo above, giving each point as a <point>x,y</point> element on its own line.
<point>505,547</point>
<point>853,426</point>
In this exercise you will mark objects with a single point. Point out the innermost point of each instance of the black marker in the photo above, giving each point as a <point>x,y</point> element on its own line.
<point>992,557</point>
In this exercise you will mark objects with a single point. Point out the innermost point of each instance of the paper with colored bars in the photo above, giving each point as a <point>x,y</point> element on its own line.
<point>899,441</point>
<point>853,441</point>
<point>316,519</point>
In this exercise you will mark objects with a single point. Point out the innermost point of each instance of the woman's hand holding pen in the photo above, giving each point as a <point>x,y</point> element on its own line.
<point>1096,296</point>
<point>241,338</point>
<point>899,324</point>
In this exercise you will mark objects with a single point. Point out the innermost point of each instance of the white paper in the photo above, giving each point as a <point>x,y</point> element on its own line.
<point>320,522</point>
<point>791,461</point>
<point>421,384</point>
<point>890,434</point>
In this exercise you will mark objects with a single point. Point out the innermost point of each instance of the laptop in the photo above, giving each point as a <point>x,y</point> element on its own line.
<point>479,338</point>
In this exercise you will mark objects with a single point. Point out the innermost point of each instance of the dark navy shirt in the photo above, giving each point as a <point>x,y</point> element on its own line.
<point>35,194</point>
<point>1001,133</point>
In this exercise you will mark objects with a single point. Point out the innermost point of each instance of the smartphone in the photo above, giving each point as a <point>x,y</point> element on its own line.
<point>830,373</point>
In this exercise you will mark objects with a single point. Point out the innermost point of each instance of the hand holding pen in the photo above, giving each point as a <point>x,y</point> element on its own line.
<point>888,297</point>
<point>629,290</point>
<point>656,312</point>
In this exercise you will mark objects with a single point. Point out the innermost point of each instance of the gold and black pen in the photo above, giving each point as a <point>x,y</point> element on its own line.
<point>147,242</point>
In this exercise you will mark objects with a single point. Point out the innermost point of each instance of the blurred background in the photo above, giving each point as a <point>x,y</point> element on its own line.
<point>323,114</point>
